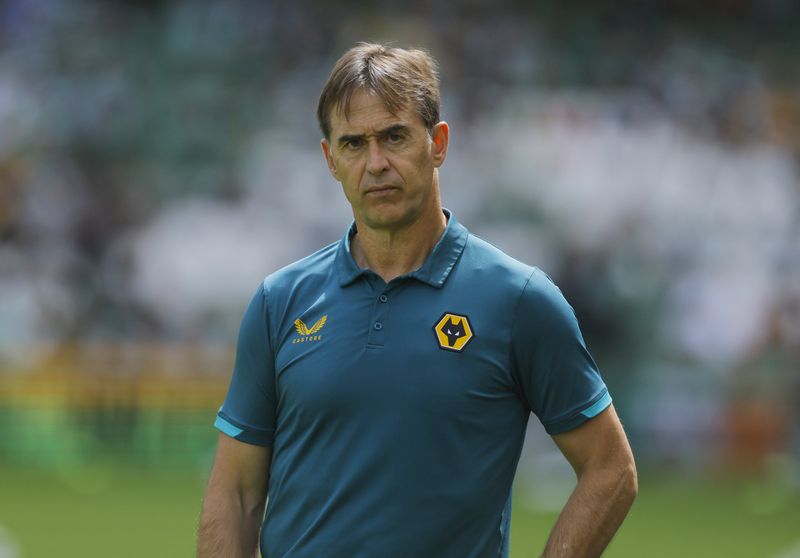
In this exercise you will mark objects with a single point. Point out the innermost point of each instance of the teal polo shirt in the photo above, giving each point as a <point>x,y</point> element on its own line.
<point>396,412</point>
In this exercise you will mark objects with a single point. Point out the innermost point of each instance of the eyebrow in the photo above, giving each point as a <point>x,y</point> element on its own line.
<point>394,128</point>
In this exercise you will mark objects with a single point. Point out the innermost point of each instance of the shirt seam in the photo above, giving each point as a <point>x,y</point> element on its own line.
<point>512,364</point>
<point>268,328</point>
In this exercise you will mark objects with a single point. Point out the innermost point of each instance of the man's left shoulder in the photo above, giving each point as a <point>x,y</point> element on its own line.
<point>484,255</point>
<point>481,255</point>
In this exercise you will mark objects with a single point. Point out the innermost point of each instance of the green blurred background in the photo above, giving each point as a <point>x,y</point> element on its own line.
<point>158,158</point>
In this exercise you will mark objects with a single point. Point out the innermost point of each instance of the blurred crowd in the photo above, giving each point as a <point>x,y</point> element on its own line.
<point>157,159</point>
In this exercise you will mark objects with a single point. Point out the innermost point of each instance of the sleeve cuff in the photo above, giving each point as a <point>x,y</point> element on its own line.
<point>237,431</point>
<point>574,420</point>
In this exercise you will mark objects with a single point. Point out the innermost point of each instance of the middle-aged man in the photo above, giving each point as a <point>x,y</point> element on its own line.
<point>383,385</point>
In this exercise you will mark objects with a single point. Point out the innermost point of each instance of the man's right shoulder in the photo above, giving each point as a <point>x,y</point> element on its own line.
<point>314,268</point>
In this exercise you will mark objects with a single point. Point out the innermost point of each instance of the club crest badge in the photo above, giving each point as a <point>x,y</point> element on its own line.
<point>453,332</point>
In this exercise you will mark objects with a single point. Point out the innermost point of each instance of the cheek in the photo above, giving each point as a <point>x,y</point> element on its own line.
<point>347,168</point>
<point>349,180</point>
<point>422,165</point>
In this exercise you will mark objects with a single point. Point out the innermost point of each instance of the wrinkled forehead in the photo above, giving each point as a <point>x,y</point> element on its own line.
<point>364,109</point>
<point>363,102</point>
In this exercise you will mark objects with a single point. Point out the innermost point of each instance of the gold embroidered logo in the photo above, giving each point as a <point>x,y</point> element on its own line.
<point>453,332</point>
<point>309,333</point>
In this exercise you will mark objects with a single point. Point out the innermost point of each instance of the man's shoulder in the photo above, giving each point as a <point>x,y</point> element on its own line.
<point>507,270</point>
<point>539,302</point>
<point>314,267</point>
<point>489,258</point>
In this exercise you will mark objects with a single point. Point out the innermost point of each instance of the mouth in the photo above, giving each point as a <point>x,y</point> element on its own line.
<point>382,190</point>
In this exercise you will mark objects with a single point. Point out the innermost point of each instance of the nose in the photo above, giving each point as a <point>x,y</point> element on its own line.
<point>376,160</point>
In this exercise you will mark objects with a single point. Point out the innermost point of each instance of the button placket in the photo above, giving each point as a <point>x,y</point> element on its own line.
<point>380,311</point>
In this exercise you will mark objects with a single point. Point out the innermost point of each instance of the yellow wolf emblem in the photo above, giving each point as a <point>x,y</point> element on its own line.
<point>303,329</point>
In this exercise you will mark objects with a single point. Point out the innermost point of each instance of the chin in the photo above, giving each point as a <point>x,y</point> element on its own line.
<point>387,217</point>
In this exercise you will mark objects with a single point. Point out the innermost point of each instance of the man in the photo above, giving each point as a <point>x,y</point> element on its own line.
<point>382,385</point>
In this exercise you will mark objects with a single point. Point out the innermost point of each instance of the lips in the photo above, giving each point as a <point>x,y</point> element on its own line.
<point>378,190</point>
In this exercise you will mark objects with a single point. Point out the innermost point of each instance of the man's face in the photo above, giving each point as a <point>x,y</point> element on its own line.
<point>385,162</point>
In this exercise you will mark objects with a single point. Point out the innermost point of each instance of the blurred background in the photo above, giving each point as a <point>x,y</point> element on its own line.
<point>159,158</point>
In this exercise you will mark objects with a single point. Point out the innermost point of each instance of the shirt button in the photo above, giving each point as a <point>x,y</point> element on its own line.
<point>378,326</point>
<point>383,298</point>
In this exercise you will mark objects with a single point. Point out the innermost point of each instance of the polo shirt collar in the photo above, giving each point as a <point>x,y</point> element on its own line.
<point>434,270</point>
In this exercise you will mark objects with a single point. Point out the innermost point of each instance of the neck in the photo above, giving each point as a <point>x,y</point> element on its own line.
<point>394,252</point>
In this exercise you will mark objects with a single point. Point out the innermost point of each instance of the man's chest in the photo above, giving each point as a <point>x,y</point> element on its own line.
<point>363,350</point>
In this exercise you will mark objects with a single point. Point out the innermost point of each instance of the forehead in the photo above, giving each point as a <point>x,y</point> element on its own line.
<point>367,112</point>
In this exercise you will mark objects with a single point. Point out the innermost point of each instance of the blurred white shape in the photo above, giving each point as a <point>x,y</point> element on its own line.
<point>34,299</point>
<point>544,478</point>
<point>9,548</point>
<point>201,258</point>
<point>19,111</point>
<point>462,188</point>
<point>717,314</point>
<point>791,552</point>
<point>290,175</point>
<point>54,200</point>
<point>545,482</point>
<point>678,409</point>
<point>593,173</point>
<point>528,244</point>
<point>20,310</point>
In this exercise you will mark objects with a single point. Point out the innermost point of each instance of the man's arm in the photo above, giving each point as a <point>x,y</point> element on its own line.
<point>233,507</point>
<point>607,484</point>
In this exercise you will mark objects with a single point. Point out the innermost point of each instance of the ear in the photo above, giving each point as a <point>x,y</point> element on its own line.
<point>326,150</point>
<point>440,136</point>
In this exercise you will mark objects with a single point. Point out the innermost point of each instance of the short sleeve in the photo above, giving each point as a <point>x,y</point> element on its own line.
<point>248,413</point>
<point>550,361</point>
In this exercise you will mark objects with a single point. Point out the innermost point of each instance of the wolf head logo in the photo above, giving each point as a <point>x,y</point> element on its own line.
<point>453,332</point>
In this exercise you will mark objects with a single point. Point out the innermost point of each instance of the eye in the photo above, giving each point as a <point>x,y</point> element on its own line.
<point>395,137</point>
<point>354,143</point>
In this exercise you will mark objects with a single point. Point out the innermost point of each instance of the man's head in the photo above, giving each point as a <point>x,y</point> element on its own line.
<point>400,78</point>
<point>383,140</point>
